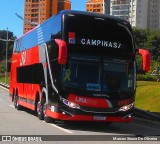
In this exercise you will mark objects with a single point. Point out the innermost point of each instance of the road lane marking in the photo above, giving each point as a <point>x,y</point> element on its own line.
<point>11,106</point>
<point>4,88</point>
<point>65,130</point>
<point>60,128</point>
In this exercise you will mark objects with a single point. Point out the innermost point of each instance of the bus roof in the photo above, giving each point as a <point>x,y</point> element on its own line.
<point>93,14</point>
<point>76,12</point>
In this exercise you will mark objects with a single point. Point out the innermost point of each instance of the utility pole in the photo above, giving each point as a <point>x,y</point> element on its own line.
<point>6,57</point>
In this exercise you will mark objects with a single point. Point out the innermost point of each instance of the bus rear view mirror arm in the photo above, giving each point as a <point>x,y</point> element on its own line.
<point>145,58</point>
<point>62,54</point>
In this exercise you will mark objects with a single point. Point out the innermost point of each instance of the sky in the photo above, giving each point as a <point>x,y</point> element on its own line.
<point>9,20</point>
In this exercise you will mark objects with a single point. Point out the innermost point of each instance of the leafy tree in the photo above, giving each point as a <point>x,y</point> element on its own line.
<point>3,35</point>
<point>140,37</point>
<point>150,40</point>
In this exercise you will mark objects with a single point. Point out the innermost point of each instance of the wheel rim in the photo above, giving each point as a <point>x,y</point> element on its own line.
<point>40,111</point>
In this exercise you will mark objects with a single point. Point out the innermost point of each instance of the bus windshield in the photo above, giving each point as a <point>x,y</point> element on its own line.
<point>82,73</point>
<point>94,75</point>
<point>100,52</point>
<point>118,75</point>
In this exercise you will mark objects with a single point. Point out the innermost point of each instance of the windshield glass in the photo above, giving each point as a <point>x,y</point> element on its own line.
<point>117,76</point>
<point>99,56</point>
<point>83,73</point>
<point>99,75</point>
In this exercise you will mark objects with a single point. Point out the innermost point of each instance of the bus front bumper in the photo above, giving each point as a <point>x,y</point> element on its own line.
<point>93,118</point>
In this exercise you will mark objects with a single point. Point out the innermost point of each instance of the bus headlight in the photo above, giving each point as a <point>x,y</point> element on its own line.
<point>126,107</point>
<point>70,104</point>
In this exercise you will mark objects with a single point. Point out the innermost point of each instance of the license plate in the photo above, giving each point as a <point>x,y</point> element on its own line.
<point>99,118</point>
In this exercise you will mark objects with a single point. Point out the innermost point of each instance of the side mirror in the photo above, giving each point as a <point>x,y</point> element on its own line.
<point>62,54</point>
<point>145,58</point>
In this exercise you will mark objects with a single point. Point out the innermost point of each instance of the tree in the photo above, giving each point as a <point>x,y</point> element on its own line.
<point>140,37</point>
<point>150,40</point>
<point>3,35</point>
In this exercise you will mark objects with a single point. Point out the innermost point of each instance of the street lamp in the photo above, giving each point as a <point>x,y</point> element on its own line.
<point>6,40</point>
<point>6,57</point>
<point>27,21</point>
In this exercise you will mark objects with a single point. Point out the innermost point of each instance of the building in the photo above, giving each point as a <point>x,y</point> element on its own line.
<point>140,13</point>
<point>145,14</point>
<point>120,8</point>
<point>64,5</point>
<point>106,6</point>
<point>38,11</point>
<point>153,20</point>
<point>98,6</point>
<point>95,6</point>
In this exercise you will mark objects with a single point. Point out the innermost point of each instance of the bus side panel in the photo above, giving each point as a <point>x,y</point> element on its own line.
<point>27,91</point>
<point>32,90</point>
<point>13,76</point>
<point>31,57</point>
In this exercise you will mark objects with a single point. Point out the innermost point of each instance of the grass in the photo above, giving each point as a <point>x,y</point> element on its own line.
<point>2,79</point>
<point>148,96</point>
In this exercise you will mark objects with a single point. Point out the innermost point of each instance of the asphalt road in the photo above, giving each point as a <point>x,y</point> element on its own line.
<point>25,123</point>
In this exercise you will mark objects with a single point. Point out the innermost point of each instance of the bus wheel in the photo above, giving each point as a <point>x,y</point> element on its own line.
<point>16,105</point>
<point>40,111</point>
<point>47,119</point>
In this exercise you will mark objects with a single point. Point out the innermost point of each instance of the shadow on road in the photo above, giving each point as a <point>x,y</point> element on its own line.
<point>134,128</point>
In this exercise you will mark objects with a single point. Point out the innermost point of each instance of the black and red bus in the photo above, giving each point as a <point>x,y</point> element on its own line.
<point>77,66</point>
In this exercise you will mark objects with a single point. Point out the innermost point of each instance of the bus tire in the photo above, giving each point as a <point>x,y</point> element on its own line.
<point>47,119</point>
<point>13,96</point>
<point>16,105</point>
<point>40,111</point>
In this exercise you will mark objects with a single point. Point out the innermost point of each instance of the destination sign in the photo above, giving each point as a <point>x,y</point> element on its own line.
<point>103,43</point>
<point>94,42</point>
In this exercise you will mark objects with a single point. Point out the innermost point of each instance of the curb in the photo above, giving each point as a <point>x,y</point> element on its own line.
<point>146,115</point>
<point>4,85</point>
<point>146,121</point>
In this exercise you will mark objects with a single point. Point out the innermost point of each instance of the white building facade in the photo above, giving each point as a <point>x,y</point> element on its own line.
<point>120,8</point>
<point>154,14</point>
<point>138,16</point>
<point>140,13</point>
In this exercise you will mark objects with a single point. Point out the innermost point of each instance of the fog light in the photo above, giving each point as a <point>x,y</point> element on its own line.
<point>126,107</point>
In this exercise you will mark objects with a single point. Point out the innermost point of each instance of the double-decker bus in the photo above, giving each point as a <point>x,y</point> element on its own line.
<point>77,66</point>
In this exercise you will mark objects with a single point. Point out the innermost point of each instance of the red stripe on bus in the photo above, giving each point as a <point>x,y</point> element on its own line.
<point>88,101</point>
